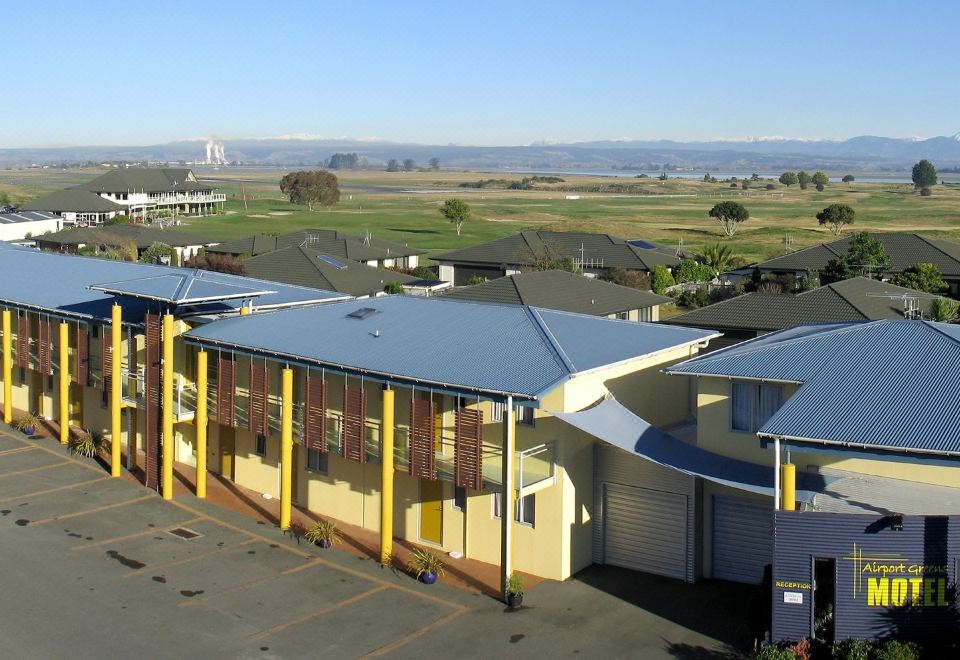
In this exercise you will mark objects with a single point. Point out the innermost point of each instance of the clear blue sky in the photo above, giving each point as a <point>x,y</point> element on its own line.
<point>475,73</point>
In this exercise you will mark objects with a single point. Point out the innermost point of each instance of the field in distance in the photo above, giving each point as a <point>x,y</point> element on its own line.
<point>403,207</point>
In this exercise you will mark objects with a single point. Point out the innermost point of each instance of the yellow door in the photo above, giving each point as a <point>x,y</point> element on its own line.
<point>227,449</point>
<point>431,511</point>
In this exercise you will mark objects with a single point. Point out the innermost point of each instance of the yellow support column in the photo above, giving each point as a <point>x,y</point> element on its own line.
<point>7,370</point>
<point>286,448</point>
<point>386,479</point>
<point>789,487</point>
<point>116,430</point>
<point>244,311</point>
<point>64,383</point>
<point>167,406</point>
<point>201,421</point>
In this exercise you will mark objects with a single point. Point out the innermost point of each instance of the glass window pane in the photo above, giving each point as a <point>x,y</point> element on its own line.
<point>741,406</point>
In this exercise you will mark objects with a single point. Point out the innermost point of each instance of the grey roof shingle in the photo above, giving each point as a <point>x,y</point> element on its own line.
<point>555,289</point>
<point>145,179</point>
<point>506,349</point>
<point>72,200</point>
<point>525,248</point>
<point>307,267</point>
<point>904,250</point>
<point>884,384</point>
<point>326,241</point>
<point>856,299</point>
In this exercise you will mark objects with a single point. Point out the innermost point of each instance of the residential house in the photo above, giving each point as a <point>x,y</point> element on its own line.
<point>856,299</point>
<point>592,253</point>
<point>76,207</point>
<point>141,236</point>
<point>368,250</point>
<point>21,225</point>
<point>556,289</point>
<point>905,250</point>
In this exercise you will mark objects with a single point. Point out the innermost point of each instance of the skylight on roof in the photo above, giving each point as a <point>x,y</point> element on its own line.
<point>640,243</point>
<point>361,313</point>
<point>339,265</point>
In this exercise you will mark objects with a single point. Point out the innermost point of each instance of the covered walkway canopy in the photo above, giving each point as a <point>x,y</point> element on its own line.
<point>611,422</point>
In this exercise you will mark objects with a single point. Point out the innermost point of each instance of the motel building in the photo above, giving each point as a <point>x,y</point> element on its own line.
<point>430,420</point>
<point>860,423</point>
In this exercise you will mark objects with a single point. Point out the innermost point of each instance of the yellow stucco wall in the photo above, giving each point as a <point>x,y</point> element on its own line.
<point>714,434</point>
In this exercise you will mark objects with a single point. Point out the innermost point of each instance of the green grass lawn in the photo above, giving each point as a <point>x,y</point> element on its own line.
<point>403,207</point>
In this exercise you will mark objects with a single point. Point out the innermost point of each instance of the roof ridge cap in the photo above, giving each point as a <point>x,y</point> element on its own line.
<point>847,326</point>
<point>842,297</point>
<point>937,248</point>
<point>550,339</point>
<point>930,325</point>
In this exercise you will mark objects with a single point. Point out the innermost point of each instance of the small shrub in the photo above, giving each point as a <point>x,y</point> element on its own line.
<point>394,288</point>
<point>770,186</point>
<point>514,584</point>
<point>802,650</point>
<point>86,444</point>
<point>476,279</point>
<point>819,187</point>
<point>29,420</point>
<point>897,650</point>
<point>424,561</point>
<point>660,279</point>
<point>851,649</point>
<point>733,185</point>
<point>925,192</point>
<point>773,653</point>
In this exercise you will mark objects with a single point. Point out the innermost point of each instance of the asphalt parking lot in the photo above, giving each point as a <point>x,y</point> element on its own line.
<point>98,567</point>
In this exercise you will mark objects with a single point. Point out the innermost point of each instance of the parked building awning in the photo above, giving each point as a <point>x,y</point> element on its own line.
<point>613,423</point>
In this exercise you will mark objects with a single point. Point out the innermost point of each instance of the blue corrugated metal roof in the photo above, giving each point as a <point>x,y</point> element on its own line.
<point>59,283</point>
<point>181,288</point>
<point>479,347</point>
<point>890,384</point>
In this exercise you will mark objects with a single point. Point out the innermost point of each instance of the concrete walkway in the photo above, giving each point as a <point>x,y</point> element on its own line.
<point>94,567</point>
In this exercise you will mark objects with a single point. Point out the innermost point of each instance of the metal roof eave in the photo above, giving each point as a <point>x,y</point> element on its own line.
<point>854,445</point>
<point>755,379</point>
<point>686,344</point>
<point>378,375</point>
<point>173,301</point>
<point>60,314</point>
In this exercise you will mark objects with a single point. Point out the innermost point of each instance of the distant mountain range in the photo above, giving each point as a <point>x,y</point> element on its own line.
<point>859,154</point>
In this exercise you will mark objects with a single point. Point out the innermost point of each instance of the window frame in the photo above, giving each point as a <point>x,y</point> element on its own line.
<point>260,439</point>
<point>319,466</point>
<point>755,398</point>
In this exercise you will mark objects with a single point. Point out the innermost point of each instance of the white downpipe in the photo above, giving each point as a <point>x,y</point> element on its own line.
<point>776,474</point>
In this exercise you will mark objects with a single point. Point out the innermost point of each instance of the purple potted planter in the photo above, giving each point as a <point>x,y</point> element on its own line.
<point>428,578</point>
<point>29,430</point>
<point>325,543</point>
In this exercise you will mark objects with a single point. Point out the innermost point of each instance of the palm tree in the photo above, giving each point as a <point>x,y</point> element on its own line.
<point>717,256</point>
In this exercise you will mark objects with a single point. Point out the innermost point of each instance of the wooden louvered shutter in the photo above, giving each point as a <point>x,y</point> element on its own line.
<point>151,393</point>
<point>23,341</point>
<point>354,424</point>
<point>106,358</point>
<point>315,415</point>
<point>226,392</point>
<point>468,449</point>
<point>44,347</point>
<point>257,414</point>
<point>422,457</point>
<point>82,368</point>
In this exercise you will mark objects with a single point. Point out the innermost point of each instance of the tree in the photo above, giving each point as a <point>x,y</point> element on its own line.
<point>745,184</point>
<point>456,211</point>
<point>717,256</point>
<point>434,164</point>
<point>770,186</point>
<point>849,178</point>
<point>634,279</point>
<point>836,270</point>
<point>729,215</point>
<point>552,259</point>
<point>409,165</point>
<point>922,277</point>
<point>924,174</point>
<point>158,253</point>
<point>820,178</point>
<point>691,271</point>
<point>945,310</point>
<point>660,279</point>
<point>310,188</point>
<point>836,215</point>
<point>867,254</point>
<point>788,179</point>
<point>219,263</point>
<point>803,178</point>
<point>393,165</point>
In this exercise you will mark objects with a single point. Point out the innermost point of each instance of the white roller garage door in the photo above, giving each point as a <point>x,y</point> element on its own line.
<point>645,530</point>
<point>742,538</point>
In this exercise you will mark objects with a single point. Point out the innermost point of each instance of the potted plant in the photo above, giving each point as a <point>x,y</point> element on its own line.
<point>426,566</point>
<point>87,444</point>
<point>323,533</point>
<point>514,590</point>
<point>28,423</point>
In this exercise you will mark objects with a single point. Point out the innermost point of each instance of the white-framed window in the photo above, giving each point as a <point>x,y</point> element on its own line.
<point>525,415</point>
<point>497,408</point>
<point>261,447</point>
<point>318,461</point>
<point>623,316</point>
<point>525,511</point>
<point>752,404</point>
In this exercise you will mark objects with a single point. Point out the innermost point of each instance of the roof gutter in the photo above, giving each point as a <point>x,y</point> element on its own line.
<point>855,445</point>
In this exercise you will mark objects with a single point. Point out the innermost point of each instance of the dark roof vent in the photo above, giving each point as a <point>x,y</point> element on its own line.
<point>361,313</point>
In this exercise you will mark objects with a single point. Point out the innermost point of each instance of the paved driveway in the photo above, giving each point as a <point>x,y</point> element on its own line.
<point>94,567</point>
